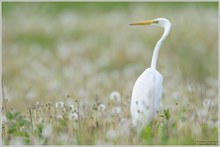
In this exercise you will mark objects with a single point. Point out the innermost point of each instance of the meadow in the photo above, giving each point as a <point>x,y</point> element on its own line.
<point>69,69</point>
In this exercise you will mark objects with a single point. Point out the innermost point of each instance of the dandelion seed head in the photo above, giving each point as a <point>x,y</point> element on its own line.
<point>47,130</point>
<point>37,103</point>
<point>124,126</point>
<point>4,119</point>
<point>59,104</point>
<point>116,110</point>
<point>111,134</point>
<point>73,116</point>
<point>101,107</point>
<point>59,117</point>
<point>115,96</point>
<point>72,107</point>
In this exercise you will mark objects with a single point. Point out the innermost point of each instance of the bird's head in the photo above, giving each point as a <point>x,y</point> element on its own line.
<point>161,22</point>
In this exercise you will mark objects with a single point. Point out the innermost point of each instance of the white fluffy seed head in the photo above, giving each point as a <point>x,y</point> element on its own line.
<point>47,130</point>
<point>37,103</point>
<point>73,116</point>
<point>111,134</point>
<point>124,126</point>
<point>101,107</point>
<point>116,110</point>
<point>59,117</point>
<point>115,96</point>
<point>72,107</point>
<point>4,119</point>
<point>59,104</point>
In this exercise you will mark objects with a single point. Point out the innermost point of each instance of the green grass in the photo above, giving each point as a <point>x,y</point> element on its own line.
<point>80,53</point>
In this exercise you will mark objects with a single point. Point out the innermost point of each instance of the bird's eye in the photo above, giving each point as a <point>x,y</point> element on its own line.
<point>156,21</point>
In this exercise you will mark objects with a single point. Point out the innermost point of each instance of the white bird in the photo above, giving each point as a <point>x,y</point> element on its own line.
<point>147,90</point>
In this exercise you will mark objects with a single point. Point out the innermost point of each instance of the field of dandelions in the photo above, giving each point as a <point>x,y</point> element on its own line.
<point>69,69</point>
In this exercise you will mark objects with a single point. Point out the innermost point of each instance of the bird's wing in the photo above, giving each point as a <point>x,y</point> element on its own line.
<point>147,93</point>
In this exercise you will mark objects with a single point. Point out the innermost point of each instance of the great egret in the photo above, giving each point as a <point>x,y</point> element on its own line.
<point>147,90</point>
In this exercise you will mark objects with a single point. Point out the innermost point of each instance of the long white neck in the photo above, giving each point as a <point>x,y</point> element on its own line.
<point>158,45</point>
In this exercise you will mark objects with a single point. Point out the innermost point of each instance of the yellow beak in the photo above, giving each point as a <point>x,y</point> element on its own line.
<point>146,22</point>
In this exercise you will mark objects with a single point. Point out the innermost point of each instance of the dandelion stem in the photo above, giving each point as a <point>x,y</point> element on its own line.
<point>32,127</point>
<point>3,96</point>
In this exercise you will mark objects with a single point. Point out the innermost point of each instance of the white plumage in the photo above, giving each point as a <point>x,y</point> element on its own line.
<point>145,101</point>
<point>147,90</point>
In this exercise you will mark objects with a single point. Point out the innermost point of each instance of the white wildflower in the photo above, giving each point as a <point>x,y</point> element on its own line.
<point>47,130</point>
<point>116,110</point>
<point>59,117</point>
<point>37,103</point>
<point>73,116</point>
<point>72,107</point>
<point>111,134</point>
<point>124,126</point>
<point>4,119</point>
<point>101,107</point>
<point>115,96</point>
<point>60,104</point>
